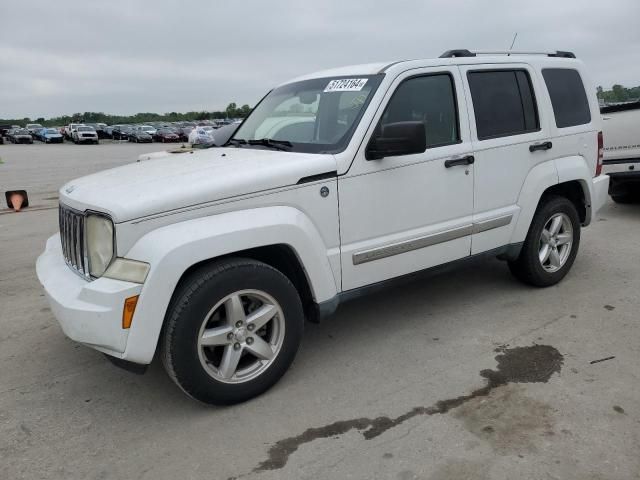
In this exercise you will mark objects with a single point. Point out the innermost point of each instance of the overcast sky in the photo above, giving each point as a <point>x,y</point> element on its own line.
<point>128,56</point>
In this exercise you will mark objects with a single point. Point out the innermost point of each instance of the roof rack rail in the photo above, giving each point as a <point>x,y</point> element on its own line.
<point>468,53</point>
<point>457,53</point>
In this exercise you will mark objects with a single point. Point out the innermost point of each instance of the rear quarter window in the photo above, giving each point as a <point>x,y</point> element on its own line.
<point>568,97</point>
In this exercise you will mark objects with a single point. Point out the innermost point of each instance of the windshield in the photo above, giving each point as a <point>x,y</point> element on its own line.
<point>51,130</point>
<point>85,129</point>
<point>314,116</point>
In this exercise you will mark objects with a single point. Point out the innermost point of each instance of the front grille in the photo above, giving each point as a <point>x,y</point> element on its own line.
<point>73,240</point>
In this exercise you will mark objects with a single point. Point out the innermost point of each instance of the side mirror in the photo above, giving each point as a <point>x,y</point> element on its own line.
<point>401,138</point>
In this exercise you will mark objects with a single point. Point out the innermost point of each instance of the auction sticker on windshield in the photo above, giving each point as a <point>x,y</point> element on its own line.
<point>346,85</point>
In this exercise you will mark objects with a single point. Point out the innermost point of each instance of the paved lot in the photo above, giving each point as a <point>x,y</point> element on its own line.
<point>469,375</point>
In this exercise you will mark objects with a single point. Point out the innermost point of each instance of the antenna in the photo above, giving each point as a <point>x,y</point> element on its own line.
<point>513,42</point>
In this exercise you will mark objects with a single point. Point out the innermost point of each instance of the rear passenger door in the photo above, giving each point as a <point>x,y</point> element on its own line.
<point>506,124</point>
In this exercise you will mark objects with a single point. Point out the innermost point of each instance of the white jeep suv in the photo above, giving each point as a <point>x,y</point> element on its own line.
<point>336,184</point>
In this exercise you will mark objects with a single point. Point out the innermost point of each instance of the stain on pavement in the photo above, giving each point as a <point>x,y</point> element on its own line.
<point>532,364</point>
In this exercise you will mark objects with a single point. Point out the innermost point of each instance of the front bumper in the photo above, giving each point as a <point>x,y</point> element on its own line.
<point>88,312</point>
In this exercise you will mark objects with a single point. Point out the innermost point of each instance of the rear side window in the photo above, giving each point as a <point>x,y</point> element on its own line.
<point>568,98</point>
<point>503,102</point>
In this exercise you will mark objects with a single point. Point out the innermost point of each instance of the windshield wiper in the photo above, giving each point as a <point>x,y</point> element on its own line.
<point>237,141</point>
<point>271,143</point>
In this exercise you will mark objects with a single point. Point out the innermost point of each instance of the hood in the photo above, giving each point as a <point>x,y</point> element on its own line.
<point>176,181</point>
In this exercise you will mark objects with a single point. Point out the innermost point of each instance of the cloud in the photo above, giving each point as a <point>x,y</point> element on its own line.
<point>129,56</point>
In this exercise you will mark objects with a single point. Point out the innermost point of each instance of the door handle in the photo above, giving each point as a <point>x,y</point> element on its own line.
<point>540,146</point>
<point>468,160</point>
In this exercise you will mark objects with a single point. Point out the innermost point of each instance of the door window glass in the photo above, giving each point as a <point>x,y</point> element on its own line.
<point>503,102</point>
<point>431,100</point>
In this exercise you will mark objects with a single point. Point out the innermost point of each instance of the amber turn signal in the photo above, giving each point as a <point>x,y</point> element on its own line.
<point>128,311</point>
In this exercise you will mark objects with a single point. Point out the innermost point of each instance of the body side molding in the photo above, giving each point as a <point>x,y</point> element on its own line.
<point>429,240</point>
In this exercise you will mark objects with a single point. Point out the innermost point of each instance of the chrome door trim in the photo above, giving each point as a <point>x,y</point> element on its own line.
<point>405,246</point>
<point>492,223</point>
<point>409,245</point>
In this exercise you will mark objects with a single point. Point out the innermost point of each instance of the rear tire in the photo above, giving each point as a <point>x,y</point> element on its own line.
<point>209,339</point>
<point>551,245</point>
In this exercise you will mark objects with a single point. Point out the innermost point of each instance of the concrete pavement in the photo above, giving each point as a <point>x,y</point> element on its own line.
<point>468,375</point>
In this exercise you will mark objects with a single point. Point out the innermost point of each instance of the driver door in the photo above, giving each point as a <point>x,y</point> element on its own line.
<point>401,214</point>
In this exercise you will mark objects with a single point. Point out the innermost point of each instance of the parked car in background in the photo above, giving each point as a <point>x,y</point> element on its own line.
<point>115,131</point>
<point>147,129</point>
<point>69,129</point>
<point>108,131</point>
<point>19,135</point>
<point>99,128</point>
<point>33,127</point>
<point>121,132</point>
<point>5,128</point>
<point>621,130</point>
<point>49,135</point>
<point>201,135</point>
<point>166,135</point>
<point>85,134</point>
<point>139,136</point>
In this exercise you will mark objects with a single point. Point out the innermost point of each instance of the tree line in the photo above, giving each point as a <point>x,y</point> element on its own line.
<point>618,93</point>
<point>232,111</point>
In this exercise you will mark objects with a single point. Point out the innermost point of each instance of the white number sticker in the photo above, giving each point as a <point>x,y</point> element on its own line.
<point>346,85</point>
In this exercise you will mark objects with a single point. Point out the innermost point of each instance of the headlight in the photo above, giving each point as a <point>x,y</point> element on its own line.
<point>99,231</point>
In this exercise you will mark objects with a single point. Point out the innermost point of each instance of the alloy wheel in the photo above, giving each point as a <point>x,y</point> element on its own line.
<point>241,336</point>
<point>556,241</point>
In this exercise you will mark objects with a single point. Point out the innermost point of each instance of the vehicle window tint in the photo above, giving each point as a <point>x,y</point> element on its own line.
<point>568,98</point>
<point>503,102</point>
<point>431,100</point>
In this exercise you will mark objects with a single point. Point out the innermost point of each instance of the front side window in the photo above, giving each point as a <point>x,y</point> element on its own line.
<point>428,99</point>
<point>314,116</point>
<point>568,98</point>
<point>503,102</point>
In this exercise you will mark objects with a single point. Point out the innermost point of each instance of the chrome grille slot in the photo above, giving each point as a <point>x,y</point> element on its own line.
<point>73,241</point>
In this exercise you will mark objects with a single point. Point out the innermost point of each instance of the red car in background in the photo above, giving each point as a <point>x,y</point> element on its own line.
<point>166,135</point>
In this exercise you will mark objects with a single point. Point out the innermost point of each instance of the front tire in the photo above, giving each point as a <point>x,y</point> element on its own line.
<point>551,245</point>
<point>232,330</point>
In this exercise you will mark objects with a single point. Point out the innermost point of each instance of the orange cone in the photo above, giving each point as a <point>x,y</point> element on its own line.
<point>17,199</point>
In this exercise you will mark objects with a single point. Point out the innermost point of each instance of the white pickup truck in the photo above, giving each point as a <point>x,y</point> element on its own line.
<point>621,126</point>
<point>337,184</point>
